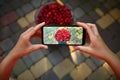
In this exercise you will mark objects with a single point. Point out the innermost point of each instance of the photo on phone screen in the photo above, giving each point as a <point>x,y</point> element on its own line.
<point>63,35</point>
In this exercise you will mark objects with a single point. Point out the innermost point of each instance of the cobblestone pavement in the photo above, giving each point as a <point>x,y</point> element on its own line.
<point>57,63</point>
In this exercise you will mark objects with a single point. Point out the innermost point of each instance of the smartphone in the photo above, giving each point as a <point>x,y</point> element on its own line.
<point>63,35</point>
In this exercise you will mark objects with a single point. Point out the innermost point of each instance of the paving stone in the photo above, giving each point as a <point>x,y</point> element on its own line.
<point>36,3</point>
<point>14,27</point>
<point>86,19</point>
<point>45,51</point>
<point>6,8</point>
<point>113,77</point>
<point>43,2</point>
<point>16,36</point>
<point>108,68</point>
<point>13,75</point>
<point>26,75</point>
<point>63,68</point>
<point>23,22</point>
<point>73,3</point>
<point>55,57</point>
<point>106,36</point>
<point>36,56</point>
<point>96,61</point>
<point>27,61</point>
<point>90,63</point>
<point>78,12</point>
<point>110,4</point>
<point>99,74</point>
<point>9,18</point>
<point>64,50</point>
<point>115,29</point>
<point>20,12</point>
<point>77,57</point>
<point>67,77</point>
<point>95,3</point>
<point>115,13</point>
<point>87,7</point>
<point>81,72</point>
<point>27,8</point>
<point>31,16</point>
<point>118,54</point>
<point>19,67</point>
<point>6,44</point>
<point>105,21</point>
<point>41,67</point>
<point>52,48</point>
<point>119,20</point>
<point>5,32</point>
<point>99,12</point>
<point>103,9</point>
<point>49,75</point>
<point>94,15</point>
<point>114,45</point>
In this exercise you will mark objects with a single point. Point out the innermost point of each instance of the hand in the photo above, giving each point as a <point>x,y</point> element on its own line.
<point>24,46</point>
<point>97,47</point>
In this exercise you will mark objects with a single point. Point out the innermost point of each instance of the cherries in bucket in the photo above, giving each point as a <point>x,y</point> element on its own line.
<point>54,14</point>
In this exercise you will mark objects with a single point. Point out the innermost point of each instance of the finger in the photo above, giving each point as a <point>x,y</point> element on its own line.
<point>71,48</point>
<point>28,30</point>
<point>38,47</point>
<point>39,26</point>
<point>90,33</point>
<point>34,30</point>
<point>84,49</point>
<point>94,28</point>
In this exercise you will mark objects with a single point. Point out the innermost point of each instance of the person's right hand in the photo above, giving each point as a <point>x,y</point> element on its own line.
<point>97,47</point>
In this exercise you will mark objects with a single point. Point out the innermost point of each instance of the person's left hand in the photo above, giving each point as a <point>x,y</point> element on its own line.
<point>24,46</point>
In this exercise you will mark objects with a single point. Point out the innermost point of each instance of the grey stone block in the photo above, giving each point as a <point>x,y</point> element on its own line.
<point>50,75</point>
<point>94,15</point>
<point>87,7</point>
<point>14,27</point>
<point>74,3</point>
<point>86,19</point>
<point>115,29</point>
<point>20,12</point>
<point>64,50</point>
<point>19,67</point>
<point>55,57</point>
<point>36,56</point>
<point>78,12</point>
<point>6,44</point>
<point>67,77</point>
<point>96,61</point>
<point>114,45</point>
<point>27,61</point>
<point>27,8</point>
<point>5,33</point>
<point>36,3</point>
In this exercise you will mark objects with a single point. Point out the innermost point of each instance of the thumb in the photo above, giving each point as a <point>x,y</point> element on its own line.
<point>84,49</point>
<point>38,47</point>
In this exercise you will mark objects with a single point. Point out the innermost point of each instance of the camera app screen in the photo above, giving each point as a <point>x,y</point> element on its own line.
<point>63,35</point>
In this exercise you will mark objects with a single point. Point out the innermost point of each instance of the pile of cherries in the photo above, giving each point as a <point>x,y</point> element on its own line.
<point>62,35</point>
<point>55,14</point>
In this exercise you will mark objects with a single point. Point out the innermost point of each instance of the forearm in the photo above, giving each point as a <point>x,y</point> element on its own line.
<point>7,65</point>
<point>114,63</point>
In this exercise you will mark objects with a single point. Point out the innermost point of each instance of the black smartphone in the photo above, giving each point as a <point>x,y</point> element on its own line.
<point>63,35</point>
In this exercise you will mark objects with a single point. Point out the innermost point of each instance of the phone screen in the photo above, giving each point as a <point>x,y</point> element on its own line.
<point>63,35</point>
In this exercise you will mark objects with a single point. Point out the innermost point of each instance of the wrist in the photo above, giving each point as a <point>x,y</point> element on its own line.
<point>110,55</point>
<point>14,55</point>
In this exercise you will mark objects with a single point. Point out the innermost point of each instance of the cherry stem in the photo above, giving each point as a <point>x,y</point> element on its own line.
<point>60,2</point>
